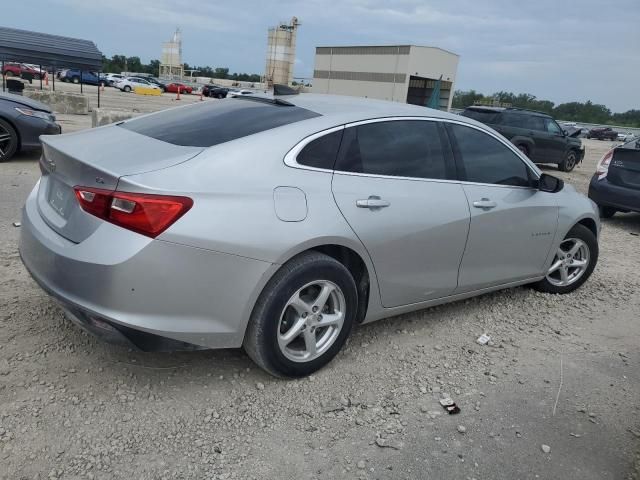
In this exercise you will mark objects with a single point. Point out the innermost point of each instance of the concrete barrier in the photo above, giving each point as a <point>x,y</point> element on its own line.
<point>103,116</point>
<point>61,102</point>
<point>147,91</point>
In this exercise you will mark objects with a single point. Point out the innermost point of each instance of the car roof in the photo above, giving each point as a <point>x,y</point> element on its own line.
<point>481,108</point>
<point>345,109</point>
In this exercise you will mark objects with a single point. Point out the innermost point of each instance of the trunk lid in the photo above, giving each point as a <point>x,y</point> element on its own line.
<point>95,158</point>
<point>624,169</point>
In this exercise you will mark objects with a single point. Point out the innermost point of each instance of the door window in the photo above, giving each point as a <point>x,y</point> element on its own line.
<point>486,160</point>
<point>552,126</point>
<point>402,148</point>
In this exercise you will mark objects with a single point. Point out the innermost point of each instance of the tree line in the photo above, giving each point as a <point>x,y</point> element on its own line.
<point>586,112</point>
<point>121,63</point>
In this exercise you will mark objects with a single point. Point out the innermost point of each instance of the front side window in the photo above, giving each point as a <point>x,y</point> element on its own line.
<point>552,126</point>
<point>403,148</point>
<point>486,160</point>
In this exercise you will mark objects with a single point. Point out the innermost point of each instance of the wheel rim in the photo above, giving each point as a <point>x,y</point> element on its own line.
<point>311,321</point>
<point>570,262</point>
<point>5,141</point>
<point>571,161</point>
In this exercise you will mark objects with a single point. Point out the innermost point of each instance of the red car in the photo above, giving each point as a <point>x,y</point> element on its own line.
<point>18,70</point>
<point>173,88</point>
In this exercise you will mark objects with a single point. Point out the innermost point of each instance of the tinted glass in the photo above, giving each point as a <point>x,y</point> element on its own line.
<point>522,120</point>
<point>486,160</point>
<point>210,123</point>
<point>552,127</point>
<point>321,152</point>
<point>410,148</point>
<point>484,116</point>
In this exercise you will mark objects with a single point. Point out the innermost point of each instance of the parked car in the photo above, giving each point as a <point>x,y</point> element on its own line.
<point>278,224</point>
<point>113,78</point>
<point>22,121</point>
<point>625,137</point>
<point>87,78</point>
<point>22,70</point>
<point>214,91</point>
<point>173,88</point>
<point>536,134</point>
<point>615,187</point>
<point>129,83</point>
<point>603,133</point>
<point>238,92</point>
<point>157,83</point>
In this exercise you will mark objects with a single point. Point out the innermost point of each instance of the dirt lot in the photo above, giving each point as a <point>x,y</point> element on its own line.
<point>72,407</point>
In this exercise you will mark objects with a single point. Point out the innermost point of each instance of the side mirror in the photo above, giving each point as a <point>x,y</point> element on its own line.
<point>549,183</point>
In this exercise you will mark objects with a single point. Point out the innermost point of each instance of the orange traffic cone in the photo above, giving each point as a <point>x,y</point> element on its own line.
<point>201,95</point>
<point>46,80</point>
<point>178,94</point>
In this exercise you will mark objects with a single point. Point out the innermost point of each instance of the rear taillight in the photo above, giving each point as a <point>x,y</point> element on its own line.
<point>143,213</point>
<point>603,165</point>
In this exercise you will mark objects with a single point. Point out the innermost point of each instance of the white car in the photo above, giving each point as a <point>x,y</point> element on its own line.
<point>113,78</point>
<point>625,137</point>
<point>128,84</point>
<point>238,93</point>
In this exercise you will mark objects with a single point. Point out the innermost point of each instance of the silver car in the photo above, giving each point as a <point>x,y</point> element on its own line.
<point>278,224</point>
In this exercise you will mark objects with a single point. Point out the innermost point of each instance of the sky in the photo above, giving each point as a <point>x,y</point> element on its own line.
<point>559,50</point>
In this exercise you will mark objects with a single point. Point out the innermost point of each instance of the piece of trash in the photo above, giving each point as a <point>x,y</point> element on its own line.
<point>575,435</point>
<point>17,224</point>
<point>483,339</point>
<point>449,405</point>
<point>634,234</point>
<point>545,448</point>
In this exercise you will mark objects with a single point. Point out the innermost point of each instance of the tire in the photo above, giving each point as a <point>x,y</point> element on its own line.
<point>8,74</point>
<point>9,141</point>
<point>301,277</point>
<point>126,88</point>
<point>570,161</point>
<point>606,212</point>
<point>523,148</point>
<point>589,241</point>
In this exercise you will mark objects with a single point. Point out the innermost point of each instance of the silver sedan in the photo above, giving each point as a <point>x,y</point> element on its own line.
<point>277,224</point>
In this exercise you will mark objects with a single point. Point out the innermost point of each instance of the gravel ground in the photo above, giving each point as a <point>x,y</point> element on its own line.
<point>555,394</point>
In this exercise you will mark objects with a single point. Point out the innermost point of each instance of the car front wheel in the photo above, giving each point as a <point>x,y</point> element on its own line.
<point>8,141</point>
<point>573,262</point>
<point>569,162</point>
<point>303,316</point>
<point>126,88</point>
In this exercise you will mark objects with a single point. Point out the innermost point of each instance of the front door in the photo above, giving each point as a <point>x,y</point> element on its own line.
<point>512,224</point>
<point>393,183</point>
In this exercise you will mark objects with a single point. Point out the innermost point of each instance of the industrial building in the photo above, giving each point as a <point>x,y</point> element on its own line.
<point>171,66</point>
<point>281,53</point>
<point>400,73</point>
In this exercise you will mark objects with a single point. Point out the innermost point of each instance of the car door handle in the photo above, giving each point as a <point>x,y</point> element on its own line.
<point>373,202</point>
<point>485,204</point>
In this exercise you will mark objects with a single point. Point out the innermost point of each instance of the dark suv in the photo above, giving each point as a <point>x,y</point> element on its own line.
<point>536,134</point>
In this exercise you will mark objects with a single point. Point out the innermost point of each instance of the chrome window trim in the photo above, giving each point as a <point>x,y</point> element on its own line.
<point>290,158</point>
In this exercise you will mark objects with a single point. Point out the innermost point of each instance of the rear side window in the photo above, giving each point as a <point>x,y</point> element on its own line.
<point>521,120</point>
<point>321,152</point>
<point>210,123</point>
<point>486,160</point>
<point>403,148</point>
<point>484,116</point>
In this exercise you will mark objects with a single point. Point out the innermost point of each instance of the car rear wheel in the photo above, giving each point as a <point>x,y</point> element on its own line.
<point>606,212</point>
<point>8,141</point>
<point>127,88</point>
<point>569,162</point>
<point>303,316</point>
<point>8,74</point>
<point>573,262</point>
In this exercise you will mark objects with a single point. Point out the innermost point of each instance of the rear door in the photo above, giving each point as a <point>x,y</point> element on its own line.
<point>394,184</point>
<point>512,223</point>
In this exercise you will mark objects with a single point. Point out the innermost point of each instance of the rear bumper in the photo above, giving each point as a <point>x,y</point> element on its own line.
<point>607,194</point>
<point>129,288</point>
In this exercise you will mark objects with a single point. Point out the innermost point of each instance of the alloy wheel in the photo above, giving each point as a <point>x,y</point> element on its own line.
<point>6,140</point>
<point>311,321</point>
<point>570,262</point>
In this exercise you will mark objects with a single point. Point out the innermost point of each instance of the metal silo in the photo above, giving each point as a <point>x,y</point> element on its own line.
<point>281,53</point>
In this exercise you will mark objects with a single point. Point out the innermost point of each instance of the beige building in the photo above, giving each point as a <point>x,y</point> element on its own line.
<point>400,73</point>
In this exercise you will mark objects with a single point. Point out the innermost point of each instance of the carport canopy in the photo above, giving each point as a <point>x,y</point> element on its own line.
<point>23,46</point>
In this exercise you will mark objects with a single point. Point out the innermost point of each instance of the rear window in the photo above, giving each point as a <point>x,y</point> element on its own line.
<point>484,116</point>
<point>211,123</point>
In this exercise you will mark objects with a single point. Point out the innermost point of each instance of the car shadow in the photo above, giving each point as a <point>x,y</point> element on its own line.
<point>625,221</point>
